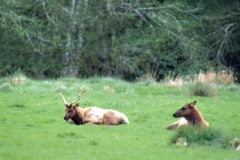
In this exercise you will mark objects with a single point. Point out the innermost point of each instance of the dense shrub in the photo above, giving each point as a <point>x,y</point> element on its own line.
<point>202,89</point>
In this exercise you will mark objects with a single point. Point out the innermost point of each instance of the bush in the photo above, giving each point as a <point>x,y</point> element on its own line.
<point>202,89</point>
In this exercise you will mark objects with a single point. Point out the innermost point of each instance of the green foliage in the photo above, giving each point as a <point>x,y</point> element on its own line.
<point>202,89</point>
<point>118,38</point>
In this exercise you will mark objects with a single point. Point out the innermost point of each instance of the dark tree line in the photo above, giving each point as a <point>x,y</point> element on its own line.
<point>127,39</point>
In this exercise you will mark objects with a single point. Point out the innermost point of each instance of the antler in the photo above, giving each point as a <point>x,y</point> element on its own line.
<point>64,100</point>
<point>82,90</point>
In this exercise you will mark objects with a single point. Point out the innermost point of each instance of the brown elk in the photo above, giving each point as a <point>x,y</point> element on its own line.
<point>190,115</point>
<point>92,115</point>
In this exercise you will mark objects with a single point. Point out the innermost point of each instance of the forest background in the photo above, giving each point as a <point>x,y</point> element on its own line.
<point>127,39</point>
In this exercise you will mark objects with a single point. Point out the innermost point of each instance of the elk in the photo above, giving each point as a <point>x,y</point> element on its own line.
<point>92,115</point>
<point>190,115</point>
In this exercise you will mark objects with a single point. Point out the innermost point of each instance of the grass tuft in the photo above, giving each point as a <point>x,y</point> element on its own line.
<point>93,143</point>
<point>206,137</point>
<point>202,89</point>
<point>5,87</point>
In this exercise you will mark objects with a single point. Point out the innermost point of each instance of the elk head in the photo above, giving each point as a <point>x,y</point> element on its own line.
<point>71,111</point>
<point>185,110</point>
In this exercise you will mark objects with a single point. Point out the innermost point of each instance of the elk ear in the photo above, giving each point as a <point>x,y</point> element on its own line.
<point>193,104</point>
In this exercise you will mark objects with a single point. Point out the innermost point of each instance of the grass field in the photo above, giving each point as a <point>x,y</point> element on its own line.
<point>32,124</point>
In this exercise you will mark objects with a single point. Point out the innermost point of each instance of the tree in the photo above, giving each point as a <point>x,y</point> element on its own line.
<point>127,39</point>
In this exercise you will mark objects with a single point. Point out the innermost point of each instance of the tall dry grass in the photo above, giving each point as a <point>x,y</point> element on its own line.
<point>223,77</point>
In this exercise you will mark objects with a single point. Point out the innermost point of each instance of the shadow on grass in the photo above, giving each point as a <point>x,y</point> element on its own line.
<point>69,135</point>
<point>17,106</point>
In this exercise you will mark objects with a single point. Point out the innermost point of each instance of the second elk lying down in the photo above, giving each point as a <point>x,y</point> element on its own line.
<point>190,115</point>
<point>92,115</point>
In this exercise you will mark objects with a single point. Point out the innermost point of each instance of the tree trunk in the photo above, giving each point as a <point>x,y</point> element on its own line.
<point>70,68</point>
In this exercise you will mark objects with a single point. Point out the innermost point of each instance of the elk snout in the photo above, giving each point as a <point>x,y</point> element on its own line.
<point>176,115</point>
<point>66,118</point>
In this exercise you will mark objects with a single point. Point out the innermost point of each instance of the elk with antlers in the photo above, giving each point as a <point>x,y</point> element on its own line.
<point>92,115</point>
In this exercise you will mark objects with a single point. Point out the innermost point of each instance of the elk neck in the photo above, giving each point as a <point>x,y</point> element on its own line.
<point>195,117</point>
<point>79,116</point>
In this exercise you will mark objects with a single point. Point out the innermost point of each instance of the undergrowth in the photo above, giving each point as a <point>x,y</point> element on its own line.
<point>191,136</point>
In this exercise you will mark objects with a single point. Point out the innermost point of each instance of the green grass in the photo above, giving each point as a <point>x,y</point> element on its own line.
<point>32,125</point>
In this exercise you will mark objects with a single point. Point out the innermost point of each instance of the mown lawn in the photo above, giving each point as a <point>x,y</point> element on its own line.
<point>32,125</point>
